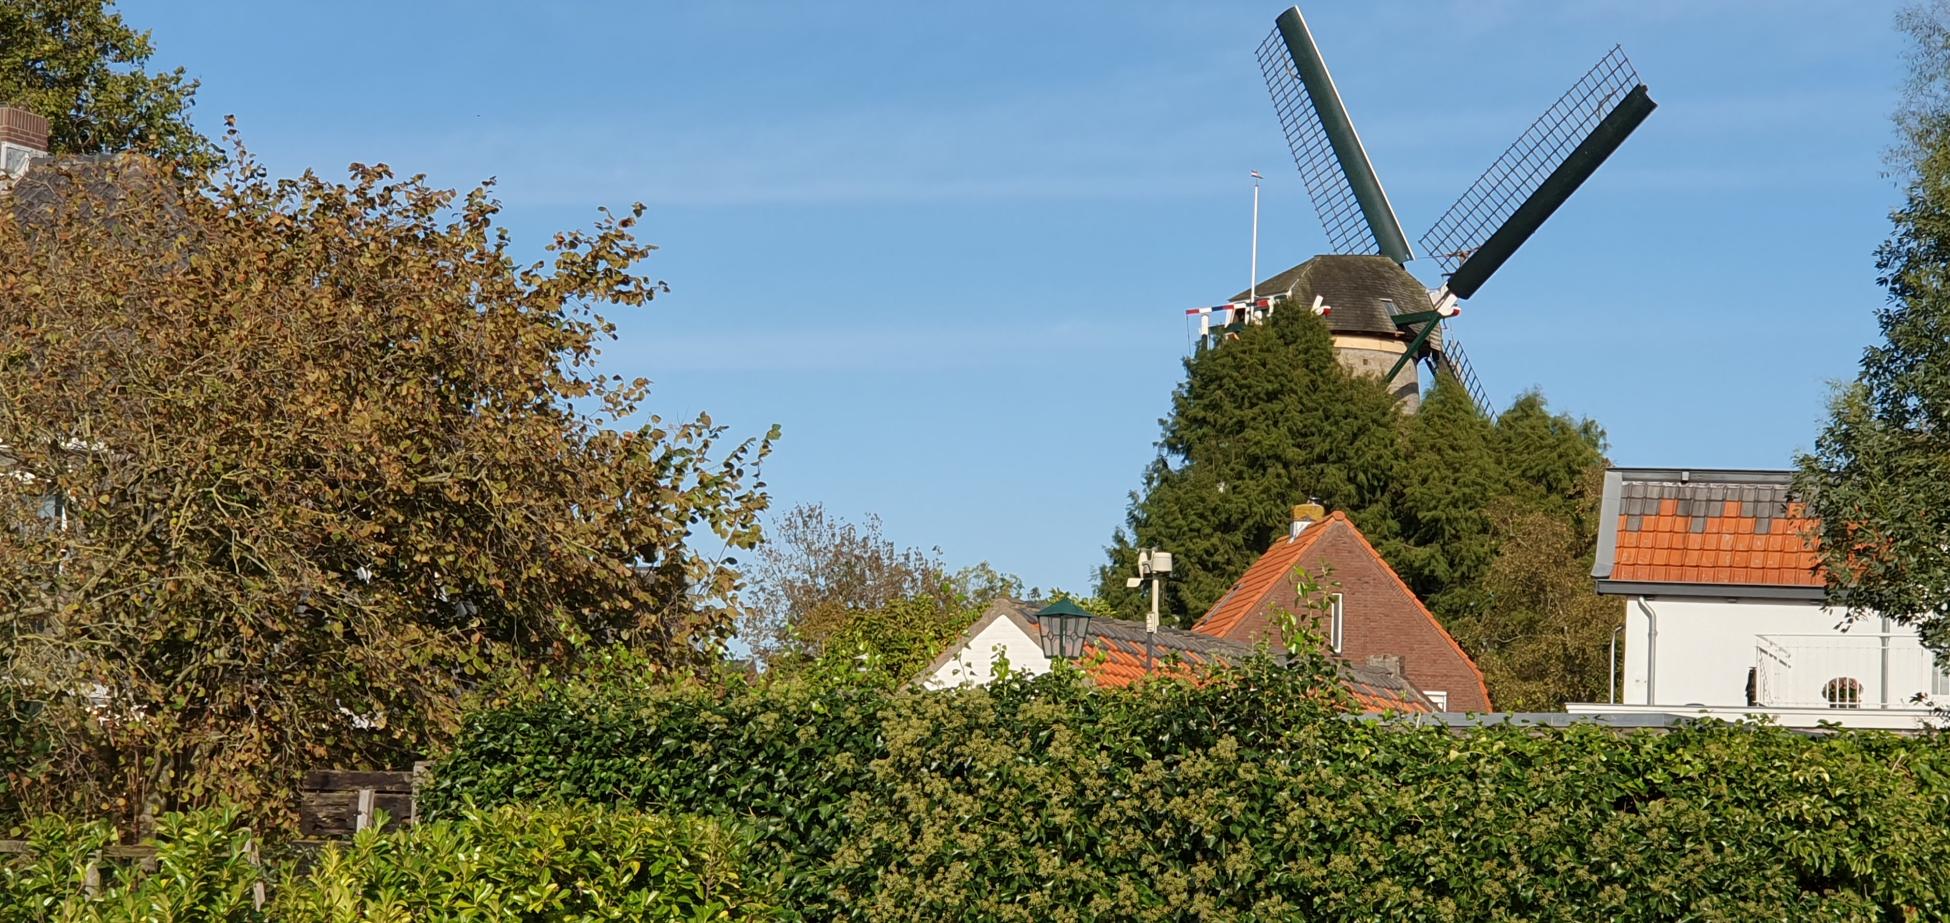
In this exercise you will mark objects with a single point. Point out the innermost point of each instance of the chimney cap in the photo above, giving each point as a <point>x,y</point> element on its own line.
<point>23,128</point>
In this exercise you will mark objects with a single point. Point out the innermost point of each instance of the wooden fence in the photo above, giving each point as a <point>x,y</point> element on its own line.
<point>332,804</point>
<point>336,803</point>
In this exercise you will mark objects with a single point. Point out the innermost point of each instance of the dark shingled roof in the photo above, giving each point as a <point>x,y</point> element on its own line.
<point>1114,654</point>
<point>1354,287</point>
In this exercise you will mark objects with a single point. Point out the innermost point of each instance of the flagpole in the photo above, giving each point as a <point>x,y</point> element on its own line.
<point>1252,284</point>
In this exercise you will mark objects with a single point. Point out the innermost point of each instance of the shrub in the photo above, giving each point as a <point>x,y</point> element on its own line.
<point>530,864</point>
<point>201,873</point>
<point>533,864</point>
<point>1240,798</point>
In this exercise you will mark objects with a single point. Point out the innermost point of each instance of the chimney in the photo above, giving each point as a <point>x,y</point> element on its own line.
<point>1306,514</point>
<point>1390,664</point>
<point>23,137</point>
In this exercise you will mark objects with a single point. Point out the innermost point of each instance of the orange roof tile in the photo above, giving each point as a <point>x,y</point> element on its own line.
<point>1261,578</point>
<point>1744,531</point>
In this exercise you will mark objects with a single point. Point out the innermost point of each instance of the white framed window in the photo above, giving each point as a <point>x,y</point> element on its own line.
<point>1336,622</point>
<point>1940,681</point>
<point>1438,698</point>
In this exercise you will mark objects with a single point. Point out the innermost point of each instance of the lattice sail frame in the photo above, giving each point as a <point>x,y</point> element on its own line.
<point>1452,357</point>
<point>1327,185</point>
<point>1495,195</point>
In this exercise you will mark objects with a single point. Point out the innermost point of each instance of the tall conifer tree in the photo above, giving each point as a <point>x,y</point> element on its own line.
<point>1449,476</point>
<point>1546,457</point>
<point>1262,422</point>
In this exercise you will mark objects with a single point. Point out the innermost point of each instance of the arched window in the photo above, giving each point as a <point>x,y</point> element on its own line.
<point>1843,692</point>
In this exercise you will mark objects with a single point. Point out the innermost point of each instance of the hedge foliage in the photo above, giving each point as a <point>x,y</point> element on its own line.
<point>1244,798</point>
<point>527,864</point>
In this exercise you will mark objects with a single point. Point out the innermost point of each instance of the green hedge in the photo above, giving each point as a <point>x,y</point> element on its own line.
<point>1243,798</point>
<point>548,864</point>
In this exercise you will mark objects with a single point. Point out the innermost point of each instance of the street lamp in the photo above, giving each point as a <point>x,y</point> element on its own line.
<point>1064,626</point>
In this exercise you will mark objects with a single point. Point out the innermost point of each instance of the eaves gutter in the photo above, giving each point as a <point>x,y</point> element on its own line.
<point>1710,590</point>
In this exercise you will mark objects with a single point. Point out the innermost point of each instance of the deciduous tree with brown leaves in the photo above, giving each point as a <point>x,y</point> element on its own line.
<point>291,466</point>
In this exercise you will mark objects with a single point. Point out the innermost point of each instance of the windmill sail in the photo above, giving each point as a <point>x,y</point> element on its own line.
<point>1537,173</point>
<point>1450,356</point>
<point>1339,178</point>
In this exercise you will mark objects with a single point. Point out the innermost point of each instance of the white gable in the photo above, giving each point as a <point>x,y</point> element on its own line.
<point>995,638</point>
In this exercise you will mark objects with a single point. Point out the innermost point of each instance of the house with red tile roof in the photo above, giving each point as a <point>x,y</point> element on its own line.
<point>1725,609</point>
<point>1370,614</point>
<point>1118,653</point>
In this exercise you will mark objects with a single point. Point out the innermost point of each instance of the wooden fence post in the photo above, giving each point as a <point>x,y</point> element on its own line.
<point>257,865</point>
<point>364,817</point>
<point>419,782</point>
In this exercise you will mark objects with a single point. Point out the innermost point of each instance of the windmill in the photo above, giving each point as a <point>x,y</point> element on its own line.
<point>1383,320</point>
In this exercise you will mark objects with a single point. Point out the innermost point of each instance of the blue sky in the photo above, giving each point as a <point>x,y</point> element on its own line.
<point>948,246</point>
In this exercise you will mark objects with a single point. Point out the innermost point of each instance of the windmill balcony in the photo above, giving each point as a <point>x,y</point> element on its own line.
<point>1870,670</point>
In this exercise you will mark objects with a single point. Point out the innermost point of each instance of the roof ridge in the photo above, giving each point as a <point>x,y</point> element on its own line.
<point>1213,623</point>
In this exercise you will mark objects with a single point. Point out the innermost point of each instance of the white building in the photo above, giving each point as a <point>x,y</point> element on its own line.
<point>1725,613</point>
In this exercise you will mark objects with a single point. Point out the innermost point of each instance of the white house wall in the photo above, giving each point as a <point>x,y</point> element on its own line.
<point>975,663</point>
<point>1703,651</point>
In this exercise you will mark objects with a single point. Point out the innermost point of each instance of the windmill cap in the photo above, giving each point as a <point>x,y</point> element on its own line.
<point>1360,288</point>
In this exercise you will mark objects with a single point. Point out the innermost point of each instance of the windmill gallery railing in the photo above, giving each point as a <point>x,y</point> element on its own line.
<point>1869,670</point>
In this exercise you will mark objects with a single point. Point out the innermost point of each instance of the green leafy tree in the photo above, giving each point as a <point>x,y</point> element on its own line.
<point>1878,479</point>
<point>824,586</point>
<point>293,465</point>
<point>78,64</point>
<point>1260,423</point>
<point>1541,633</point>
<point>891,643</point>
<point>815,568</point>
<point>841,600</point>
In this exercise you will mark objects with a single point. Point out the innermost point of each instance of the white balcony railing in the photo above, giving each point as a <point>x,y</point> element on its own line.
<point>1868,670</point>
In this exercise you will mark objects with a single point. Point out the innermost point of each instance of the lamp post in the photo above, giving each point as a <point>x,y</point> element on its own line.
<point>1064,626</point>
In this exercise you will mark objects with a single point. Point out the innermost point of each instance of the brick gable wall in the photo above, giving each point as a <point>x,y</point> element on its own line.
<point>1381,617</point>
